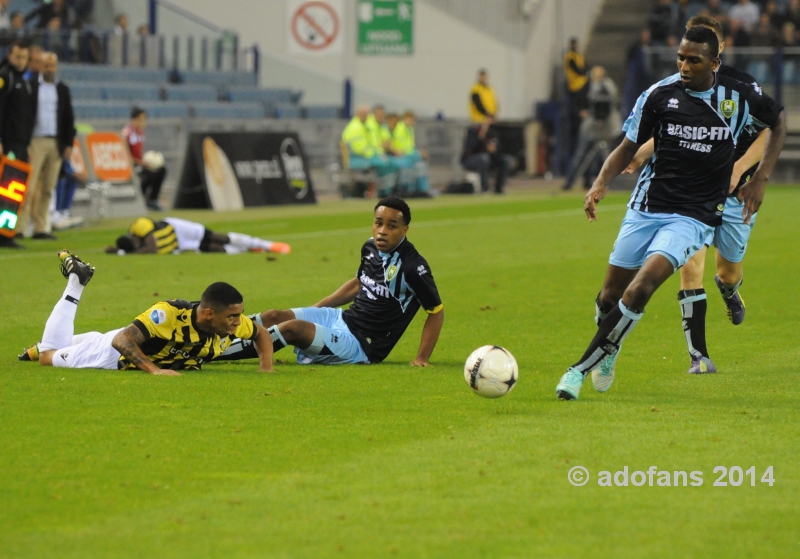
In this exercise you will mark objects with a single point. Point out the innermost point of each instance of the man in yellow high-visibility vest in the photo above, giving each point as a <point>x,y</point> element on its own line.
<point>482,99</point>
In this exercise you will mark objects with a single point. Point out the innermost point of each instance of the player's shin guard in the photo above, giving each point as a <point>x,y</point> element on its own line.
<point>693,308</point>
<point>613,330</point>
<point>60,326</point>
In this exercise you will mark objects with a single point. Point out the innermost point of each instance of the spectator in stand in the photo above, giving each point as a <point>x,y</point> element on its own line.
<point>480,156</point>
<point>55,36</point>
<point>53,137</point>
<point>121,24</point>
<point>765,35</point>
<point>46,12</point>
<point>5,15</point>
<point>482,99</point>
<point>143,30</point>
<point>716,10</point>
<point>775,15</point>
<point>792,13</point>
<point>664,20</point>
<point>17,111</point>
<point>150,180</point>
<point>789,35</point>
<point>746,13</point>
<point>17,23</point>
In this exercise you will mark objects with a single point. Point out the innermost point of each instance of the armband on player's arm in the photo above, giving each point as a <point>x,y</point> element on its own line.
<point>435,310</point>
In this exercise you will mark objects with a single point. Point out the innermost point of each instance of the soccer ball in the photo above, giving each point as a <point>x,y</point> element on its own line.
<point>153,160</point>
<point>491,371</point>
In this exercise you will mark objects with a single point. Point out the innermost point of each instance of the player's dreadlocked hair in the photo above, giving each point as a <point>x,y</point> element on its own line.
<point>125,243</point>
<point>396,204</point>
<point>220,295</point>
<point>705,21</point>
<point>704,35</point>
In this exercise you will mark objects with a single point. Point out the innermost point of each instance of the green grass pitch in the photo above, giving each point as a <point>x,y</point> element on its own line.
<point>393,461</point>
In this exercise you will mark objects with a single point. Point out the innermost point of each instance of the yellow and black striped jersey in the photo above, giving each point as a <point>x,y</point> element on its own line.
<point>163,232</point>
<point>173,341</point>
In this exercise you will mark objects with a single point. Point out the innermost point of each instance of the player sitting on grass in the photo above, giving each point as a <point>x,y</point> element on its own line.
<point>167,337</point>
<point>697,117</point>
<point>730,238</point>
<point>171,234</point>
<point>392,283</point>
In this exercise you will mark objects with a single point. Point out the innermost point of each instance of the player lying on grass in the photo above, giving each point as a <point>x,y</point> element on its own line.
<point>680,196</point>
<point>730,237</point>
<point>171,234</point>
<point>168,337</point>
<point>392,283</point>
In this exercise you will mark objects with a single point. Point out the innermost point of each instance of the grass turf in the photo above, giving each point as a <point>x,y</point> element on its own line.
<point>389,460</point>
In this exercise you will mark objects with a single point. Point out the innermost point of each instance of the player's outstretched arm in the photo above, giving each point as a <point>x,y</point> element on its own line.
<point>752,193</point>
<point>752,156</point>
<point>128,342</point>
<point>612,167</point>
<point>345,294</point>
<point>645,152</point>
<point>263,345</point>
<point>430,335</point>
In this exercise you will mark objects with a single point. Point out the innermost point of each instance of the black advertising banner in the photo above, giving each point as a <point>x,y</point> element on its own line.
<point>235,170</point>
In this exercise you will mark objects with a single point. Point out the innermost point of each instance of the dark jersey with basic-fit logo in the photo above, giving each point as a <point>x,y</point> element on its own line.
<point>695,133</point>
<point>393,286</point>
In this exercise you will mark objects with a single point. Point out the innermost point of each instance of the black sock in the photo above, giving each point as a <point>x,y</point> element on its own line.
<point>613,330</point>
<point>693,307</point>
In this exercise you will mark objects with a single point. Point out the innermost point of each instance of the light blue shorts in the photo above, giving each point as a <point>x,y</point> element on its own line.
<point>731,237</point>
<point>676,237</point>
<point>333,343</point>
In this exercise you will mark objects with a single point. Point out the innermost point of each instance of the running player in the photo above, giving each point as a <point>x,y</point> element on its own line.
<point>392,283</point>
<point>168,337</point>
<point>730,238</point>
<point>697,118</point>
<point>171,235</point>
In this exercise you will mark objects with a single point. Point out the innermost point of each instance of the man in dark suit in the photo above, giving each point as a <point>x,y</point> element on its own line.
<point>53,136</point>
<point>17,110</point>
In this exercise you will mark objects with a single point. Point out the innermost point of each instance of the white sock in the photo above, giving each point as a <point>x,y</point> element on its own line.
<point>60,327</point>
<point>246,242</point>
<point>230,249</point>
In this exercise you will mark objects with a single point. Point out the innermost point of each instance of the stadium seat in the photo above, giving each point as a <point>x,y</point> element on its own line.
<point>190,93</point>
<point>87,90</point>
<point>323,112</point>
<point>132,92</point>
<point>256,95</point>
<point>287,110</point>
<point>165,109</point>
<point>72,73</point>
<point>219,78</point>
<point>251,111</point>
<point>88,110</point>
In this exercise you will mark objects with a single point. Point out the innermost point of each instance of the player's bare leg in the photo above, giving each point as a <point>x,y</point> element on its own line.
<point>274,316</point>
<point>694,304</point>
<point>729,279</point>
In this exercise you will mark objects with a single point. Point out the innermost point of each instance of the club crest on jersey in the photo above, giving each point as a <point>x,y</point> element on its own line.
<point>672,104</point>
<point>391,272</point>
<point>158,316</point>
<point>727,107</point>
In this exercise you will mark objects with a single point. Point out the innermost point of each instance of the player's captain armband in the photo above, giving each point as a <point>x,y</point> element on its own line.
<point>142,227</point>
<point>437,309</point>
<point>246,330</point>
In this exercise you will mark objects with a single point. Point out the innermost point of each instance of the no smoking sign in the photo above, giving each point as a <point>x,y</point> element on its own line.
<point>315,26</point>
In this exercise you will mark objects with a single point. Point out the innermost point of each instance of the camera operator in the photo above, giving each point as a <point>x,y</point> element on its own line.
<point>601,124</point>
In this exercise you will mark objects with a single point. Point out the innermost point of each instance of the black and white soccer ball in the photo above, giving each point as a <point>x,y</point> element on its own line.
<point>491,371</point>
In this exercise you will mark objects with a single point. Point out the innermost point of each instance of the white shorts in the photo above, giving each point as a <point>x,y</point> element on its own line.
<point>92,350</point>
<point>188,233</point>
